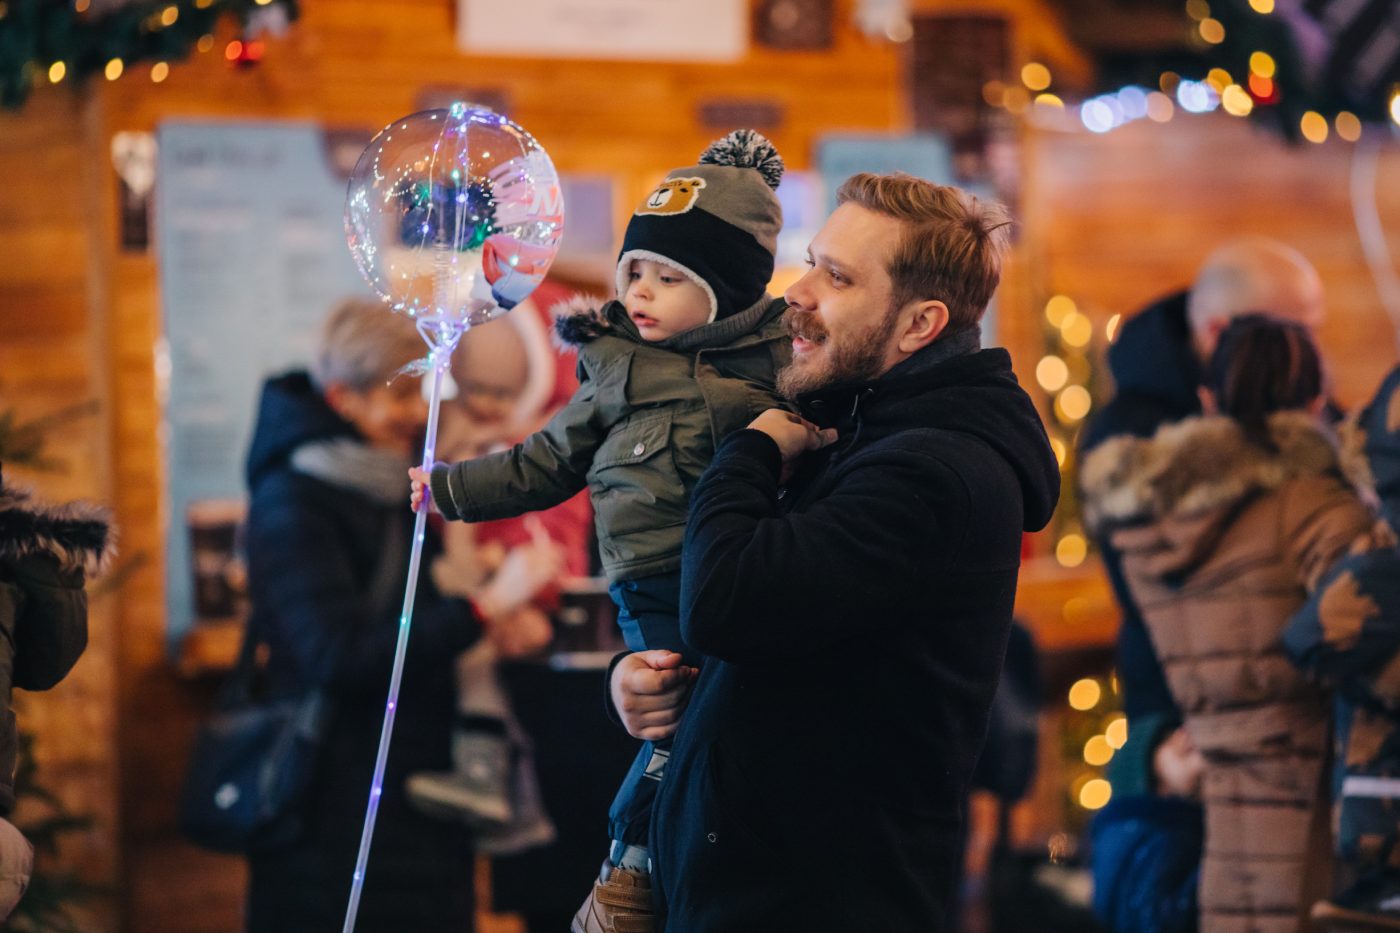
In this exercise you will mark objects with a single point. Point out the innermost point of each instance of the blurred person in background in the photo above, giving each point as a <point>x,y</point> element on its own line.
<point>1225,523</point>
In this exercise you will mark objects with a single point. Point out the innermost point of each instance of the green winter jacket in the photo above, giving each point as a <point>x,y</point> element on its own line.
<point>638,433</point>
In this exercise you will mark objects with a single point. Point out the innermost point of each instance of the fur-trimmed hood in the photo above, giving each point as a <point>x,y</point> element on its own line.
<point>584,319</point>
<point>1204,465</point>
<point>79,534</point>
<point>579,320</point>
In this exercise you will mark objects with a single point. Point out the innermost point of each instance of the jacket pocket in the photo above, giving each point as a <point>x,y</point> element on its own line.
<point>635,484</point>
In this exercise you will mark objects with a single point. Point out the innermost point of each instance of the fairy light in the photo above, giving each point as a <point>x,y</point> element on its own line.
<point>1262,7</point>
<point>1052,373</point>
<point>169,15</point>
<point>114,69</point>
<point>1116,733</point>
<point>1095,794</point>
<point>1263,64</point>
<point>1348,126</point>
<point>1197,9</point>
<point>1212,30</point>
<point>1097,751</point>
<point>1314,127</point>
<point>1035,76</point>
<point>1110,330</point>
<point>1395,106</point>
<point>1057,446</point>
<point>56,72</point>
<point>1052,101</point>
<point>1071,550</point>
<point>1077,330</point>
<point>1236,101</point>
<point>205,43</point>
<point>1085,694</point>
<point>159,72</point>
<point>1058,308</point>
<point>1219,79</point>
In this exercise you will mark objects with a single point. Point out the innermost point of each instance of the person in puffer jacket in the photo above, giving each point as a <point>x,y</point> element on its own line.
<point>1226,524</point>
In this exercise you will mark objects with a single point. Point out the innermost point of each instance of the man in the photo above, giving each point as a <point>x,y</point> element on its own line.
<point>849,576</point>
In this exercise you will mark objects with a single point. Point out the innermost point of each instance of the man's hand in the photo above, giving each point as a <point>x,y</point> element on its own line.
<point>794,435</point>
<point>421,492</point>
<point>649,692</point>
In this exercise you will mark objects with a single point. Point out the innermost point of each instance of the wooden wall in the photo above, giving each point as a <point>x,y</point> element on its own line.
<point>1109,220</point>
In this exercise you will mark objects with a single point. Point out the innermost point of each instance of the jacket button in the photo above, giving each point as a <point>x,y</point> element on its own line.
<point>639,450</point>
<point>713,837</point>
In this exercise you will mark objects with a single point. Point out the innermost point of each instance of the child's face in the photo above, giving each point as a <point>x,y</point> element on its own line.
<point>663,301</point>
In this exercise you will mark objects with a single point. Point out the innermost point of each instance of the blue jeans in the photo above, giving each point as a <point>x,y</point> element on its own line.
<point>648,611</point>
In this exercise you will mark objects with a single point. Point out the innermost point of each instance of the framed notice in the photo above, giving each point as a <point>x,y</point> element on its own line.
<point>252,255</point>
<point>642,30</point>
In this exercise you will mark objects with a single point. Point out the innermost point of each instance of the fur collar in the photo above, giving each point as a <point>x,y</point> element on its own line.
<point>579,320</point>
<point>78,534</point>
<point>1201,464</point>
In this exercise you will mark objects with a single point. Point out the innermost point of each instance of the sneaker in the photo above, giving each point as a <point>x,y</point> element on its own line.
<point>1373,903</point>
<point>476,791</point>
<point>620,902</point>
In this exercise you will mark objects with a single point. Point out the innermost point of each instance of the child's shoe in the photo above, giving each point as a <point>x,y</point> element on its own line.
<point>620,902</point>
<point>477,790</point>
<point>1373,903</point>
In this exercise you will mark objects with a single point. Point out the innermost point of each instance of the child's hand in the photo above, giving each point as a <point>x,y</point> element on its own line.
<point>794,435</point>
<point>421,492</point>
<point>649,691</point>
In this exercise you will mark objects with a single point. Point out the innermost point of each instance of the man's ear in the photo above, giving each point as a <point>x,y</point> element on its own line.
<point>927,321</point>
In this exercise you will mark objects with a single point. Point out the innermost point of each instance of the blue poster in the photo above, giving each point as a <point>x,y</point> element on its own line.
<point>252,255</point>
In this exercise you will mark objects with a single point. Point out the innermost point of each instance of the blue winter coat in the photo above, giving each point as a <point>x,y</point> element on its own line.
<point>1147,864</point>
<point>311,548</point>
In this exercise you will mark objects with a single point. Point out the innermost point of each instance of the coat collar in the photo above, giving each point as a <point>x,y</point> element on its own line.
<point>78,534</point>
<point>582,320</point>
<point>1204,465</point>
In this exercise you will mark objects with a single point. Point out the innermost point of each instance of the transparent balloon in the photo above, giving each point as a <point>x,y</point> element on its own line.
<point>453,217</point>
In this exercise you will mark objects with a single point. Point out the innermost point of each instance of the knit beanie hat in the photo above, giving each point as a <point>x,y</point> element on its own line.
<point>717,222</point>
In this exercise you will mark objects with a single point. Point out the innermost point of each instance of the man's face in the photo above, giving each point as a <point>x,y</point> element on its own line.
<point>390,416</point>
<point>840,314</point>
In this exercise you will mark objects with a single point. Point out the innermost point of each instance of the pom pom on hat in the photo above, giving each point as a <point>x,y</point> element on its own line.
<point>746,149</point>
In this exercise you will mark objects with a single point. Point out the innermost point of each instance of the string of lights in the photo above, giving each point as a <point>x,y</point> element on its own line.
<point>43,42</point>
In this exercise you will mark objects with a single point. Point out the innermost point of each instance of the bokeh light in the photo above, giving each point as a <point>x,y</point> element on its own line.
<point>1052,373</point>
<point>1095,794</point>
<point>1085,694</point>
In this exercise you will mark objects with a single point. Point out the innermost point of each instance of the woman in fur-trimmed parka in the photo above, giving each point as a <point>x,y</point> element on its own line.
<point>1226,523</point>
<point>45,553</point>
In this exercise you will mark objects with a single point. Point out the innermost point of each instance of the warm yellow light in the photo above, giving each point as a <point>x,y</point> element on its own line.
<point>1395,106</point>
<point>1085,694</point>
<point>1077,330</point>
<point>1058,446</point>
<point>1097,751</point>
<point>114,69</point>
<point>1159,107</point>
<point>1016,99</point>
<point>1314,127</point>
<point>1117,732</point>
<point>1348,126</point>
<point>81,6</point>
<point>1262,64</point>
<point>1110,330</point>
<point>56,72</point>
<point>1052,373</point>
<point>1212,31</point>
<point>262,2</point>
<point>1071,550</point>
<point>159,72</point>
<point>205,43</point>
<point>1219,79</point>
<point>1049,100</point>
<point>1095,794</point>
<point>203,4</point>
<point>1262,6</point>
<point>1073,403</point>
<point>1197,9</point>
<point>169,15</point>
<point>1035,76</point>
<point>1058,308</point>
<point>1236,101</point>
<point>994,92</point>
<point>1169,82</point>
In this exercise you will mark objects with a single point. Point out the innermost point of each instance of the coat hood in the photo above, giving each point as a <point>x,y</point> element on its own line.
<point>292,412</point>
<point>78,535</point>
<point>1154,356</point>
<point>1189,479</point>
<point>966,391</point>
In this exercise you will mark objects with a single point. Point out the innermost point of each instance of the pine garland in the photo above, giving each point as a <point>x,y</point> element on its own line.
<point>34,34</point>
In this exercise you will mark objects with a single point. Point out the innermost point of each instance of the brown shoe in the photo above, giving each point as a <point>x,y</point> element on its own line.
<point>619,903</point>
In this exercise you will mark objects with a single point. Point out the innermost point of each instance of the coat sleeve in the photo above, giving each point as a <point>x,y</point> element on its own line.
<point>1322,520</point>
<point>1347,635</point>
<point>51,628</point>
<point>302,575</point>
<point>760,585</point>
<point>542,471</point>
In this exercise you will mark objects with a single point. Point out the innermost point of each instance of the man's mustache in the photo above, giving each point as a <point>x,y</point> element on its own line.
<point>805,325</point>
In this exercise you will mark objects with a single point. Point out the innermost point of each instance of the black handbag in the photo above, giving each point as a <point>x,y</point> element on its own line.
<point>251,764</point>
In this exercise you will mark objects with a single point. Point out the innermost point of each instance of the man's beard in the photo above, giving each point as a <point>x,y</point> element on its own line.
<point>856,358</point>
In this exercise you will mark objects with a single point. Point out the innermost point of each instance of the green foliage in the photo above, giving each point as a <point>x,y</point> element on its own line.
<point>36,33</point>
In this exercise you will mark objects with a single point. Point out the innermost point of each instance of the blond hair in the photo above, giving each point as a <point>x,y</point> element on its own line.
<point>952,245</point>
<point>363,343</point>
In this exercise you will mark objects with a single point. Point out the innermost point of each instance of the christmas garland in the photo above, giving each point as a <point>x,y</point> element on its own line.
<point>35,35</point>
